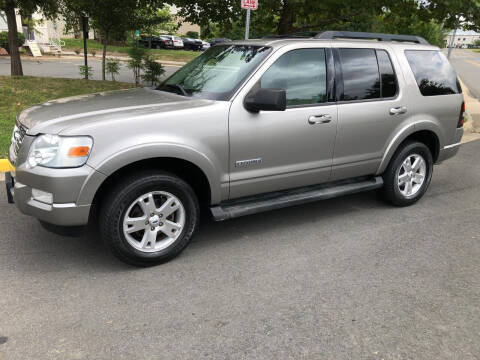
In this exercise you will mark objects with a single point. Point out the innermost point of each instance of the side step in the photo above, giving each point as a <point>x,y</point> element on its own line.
<point>277,200</point>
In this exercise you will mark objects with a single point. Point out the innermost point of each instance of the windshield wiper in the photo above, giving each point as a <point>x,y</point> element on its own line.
<point>178,87</point>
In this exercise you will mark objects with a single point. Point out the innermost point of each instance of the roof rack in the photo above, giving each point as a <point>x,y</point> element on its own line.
<point>372,36</point>
<point>351,35</point>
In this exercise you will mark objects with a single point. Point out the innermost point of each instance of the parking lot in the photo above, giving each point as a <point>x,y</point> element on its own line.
<point>347,278</point>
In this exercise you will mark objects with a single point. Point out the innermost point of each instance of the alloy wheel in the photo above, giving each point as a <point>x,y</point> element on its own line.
<point>154,221</point>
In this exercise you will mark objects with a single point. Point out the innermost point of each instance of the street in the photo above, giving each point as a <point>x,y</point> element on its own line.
<point>347,278</point>
<point>68,68</point>
<point>467,65</point>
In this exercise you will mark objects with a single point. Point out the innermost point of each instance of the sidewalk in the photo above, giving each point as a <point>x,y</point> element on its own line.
<point>472,125</point>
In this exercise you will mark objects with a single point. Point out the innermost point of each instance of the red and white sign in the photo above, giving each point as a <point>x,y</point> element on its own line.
<point>250,4</point>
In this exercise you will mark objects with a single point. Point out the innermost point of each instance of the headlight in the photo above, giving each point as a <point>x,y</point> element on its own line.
<point>55,151</point>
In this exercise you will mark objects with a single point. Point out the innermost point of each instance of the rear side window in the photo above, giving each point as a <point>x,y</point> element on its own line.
<point>367,74</point>
<point>388,78</point>
<point>302,73</point>
<point>361,79</point>
<point>433,72</point>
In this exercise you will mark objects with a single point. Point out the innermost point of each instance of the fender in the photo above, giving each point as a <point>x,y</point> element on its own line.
<point>146,151</point>
<point>403,134</point>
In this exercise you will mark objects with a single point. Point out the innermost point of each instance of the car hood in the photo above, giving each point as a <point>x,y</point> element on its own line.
<point>57,115</point>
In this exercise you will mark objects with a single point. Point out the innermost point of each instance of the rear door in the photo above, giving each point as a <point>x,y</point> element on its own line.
<point>371,107</point>
<point>275,150</point>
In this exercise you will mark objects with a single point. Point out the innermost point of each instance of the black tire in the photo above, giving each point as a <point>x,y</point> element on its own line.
<point>391,190</point>
<point>123,194</point>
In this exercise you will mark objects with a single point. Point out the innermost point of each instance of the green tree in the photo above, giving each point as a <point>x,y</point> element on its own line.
<point>113,18</point>
<point>150,20</point>
<point>152,70</point>
<point>290,16</point>
<point>25,7</point>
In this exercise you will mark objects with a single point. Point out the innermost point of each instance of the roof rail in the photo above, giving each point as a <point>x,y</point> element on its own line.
<point>372,36</point>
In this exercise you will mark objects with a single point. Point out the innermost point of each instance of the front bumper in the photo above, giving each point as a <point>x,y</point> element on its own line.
<point>65,214</point>
<point>72,189</point>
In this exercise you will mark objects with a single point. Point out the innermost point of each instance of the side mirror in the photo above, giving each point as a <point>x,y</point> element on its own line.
<point>266,99</point>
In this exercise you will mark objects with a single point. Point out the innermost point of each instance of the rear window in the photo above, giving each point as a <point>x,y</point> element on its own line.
<point>433,72</point>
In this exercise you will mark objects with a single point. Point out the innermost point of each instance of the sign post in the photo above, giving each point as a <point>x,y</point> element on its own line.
<point>249,5</point>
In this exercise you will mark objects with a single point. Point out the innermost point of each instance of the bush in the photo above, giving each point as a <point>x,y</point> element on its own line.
<point>137,53</point>
<point>77,51</point>
<point>4,40</point>
<point>112,67</point>
<point>93,52</point>
<point>152,70</point>
<point>192,34</point>
<point>86,71</point>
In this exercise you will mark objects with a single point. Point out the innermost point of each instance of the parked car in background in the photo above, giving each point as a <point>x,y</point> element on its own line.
<point>192,44</point>
<point>177,42</point>
<point>216,41</point>
<point>205,45</point>
<point>157,42</point>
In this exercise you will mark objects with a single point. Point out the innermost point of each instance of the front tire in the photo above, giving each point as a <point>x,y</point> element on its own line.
<point>149,218</point>
<point>409,174</point>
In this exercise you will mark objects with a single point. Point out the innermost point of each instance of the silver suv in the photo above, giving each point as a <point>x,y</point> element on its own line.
<point>246,127</point>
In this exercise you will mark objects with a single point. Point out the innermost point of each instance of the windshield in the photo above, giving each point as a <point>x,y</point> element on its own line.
<point>217,73</point>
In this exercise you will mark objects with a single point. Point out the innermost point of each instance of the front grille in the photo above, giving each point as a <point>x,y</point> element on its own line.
<point>19,132</point>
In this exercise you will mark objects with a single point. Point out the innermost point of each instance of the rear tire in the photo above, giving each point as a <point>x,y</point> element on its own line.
<point>408,175</point>
<point>149,218</point>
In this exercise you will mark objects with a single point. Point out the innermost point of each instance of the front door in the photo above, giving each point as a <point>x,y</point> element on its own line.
<point>276,150</point>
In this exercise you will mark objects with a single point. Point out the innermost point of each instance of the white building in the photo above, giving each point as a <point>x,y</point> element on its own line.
<point>4,25</point>
<point>462,38</point>
<point>46,32</point>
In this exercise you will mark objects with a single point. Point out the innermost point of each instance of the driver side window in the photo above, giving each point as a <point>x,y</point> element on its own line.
<point>302,73</point>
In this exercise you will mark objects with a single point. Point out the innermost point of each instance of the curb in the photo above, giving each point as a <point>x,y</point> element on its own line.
<point>5,166</point>
<point>72,56</point>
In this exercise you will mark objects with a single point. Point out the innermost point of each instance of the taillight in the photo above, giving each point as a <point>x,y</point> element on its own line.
<point>461,119</point>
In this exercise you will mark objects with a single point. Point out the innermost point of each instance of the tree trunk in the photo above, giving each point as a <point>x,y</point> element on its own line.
<point>149,42</point>
<point>85,36</point>
<point>104,55</point>
<point>15,61</point>
<point>285,25</point>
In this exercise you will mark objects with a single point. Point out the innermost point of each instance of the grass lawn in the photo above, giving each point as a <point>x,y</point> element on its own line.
<point>20,92</point>
<point>160,54</point>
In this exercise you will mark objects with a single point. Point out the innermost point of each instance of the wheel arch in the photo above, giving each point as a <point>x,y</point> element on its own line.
<point>424,134</point>
<point>186,170</point>
<point>195,167</point>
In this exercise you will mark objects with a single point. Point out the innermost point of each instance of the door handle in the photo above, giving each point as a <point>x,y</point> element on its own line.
<point>398,110</point>
<point>319,119</point>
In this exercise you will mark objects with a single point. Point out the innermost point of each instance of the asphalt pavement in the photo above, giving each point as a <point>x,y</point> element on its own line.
<point>467,65</point>
<point>347,278</point>
<point>69,68</point>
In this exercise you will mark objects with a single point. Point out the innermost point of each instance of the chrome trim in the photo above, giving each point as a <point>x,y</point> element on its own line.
<point>452,146</point>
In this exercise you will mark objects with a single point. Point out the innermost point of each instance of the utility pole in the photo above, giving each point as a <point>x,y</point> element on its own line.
<point>453,37</point>
<point>85,35</point>
<point>452,41</point>
<point>247,25</point>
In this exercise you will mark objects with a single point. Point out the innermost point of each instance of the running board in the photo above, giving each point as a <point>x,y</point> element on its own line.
<point>277,200</point>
